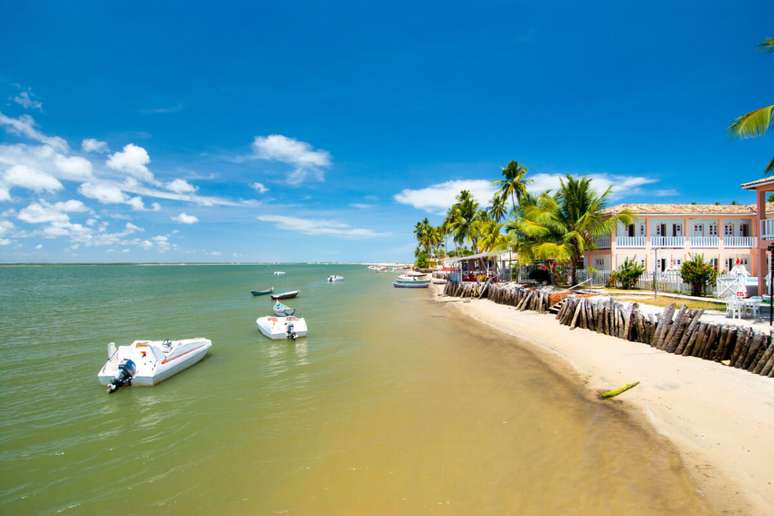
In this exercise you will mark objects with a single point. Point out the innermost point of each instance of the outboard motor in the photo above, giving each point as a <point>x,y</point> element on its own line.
<point>126,371</point>
<point>291,333</point>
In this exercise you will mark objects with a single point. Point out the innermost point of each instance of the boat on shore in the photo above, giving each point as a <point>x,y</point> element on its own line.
<point>282,310</point>
<point>410,284</point>
<point>279,328</point>
<point>148,362</point>
<point>262,292</point>
<point>285,295</point>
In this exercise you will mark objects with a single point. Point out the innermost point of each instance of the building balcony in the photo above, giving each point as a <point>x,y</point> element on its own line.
<point>602,242</point>
<point>767,229</point>
<point>739,241</point>
<point>630,242</point>
<point>667,241</point>
<point>704,241</point>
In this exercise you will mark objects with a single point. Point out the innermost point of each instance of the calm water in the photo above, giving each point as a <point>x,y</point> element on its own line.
<point>391,406</point>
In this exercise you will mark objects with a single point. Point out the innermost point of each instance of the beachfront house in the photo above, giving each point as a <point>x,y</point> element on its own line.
<point>662,236</point>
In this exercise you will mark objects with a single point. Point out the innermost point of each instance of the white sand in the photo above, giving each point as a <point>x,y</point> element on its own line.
<point>721,419</point>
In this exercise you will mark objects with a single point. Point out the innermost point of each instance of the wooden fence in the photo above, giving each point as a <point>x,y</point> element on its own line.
<point>677,331</point>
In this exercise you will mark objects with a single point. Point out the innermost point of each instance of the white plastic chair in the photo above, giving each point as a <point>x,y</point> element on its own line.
<point>733,308</point>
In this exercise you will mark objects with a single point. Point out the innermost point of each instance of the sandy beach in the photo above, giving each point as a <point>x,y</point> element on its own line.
<point>720,419</point>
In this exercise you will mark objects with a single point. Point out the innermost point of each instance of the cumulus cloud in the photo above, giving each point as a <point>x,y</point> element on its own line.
<point>622,185</point>
<point>46,158</point>
<point>181,186</point>
<point>439,197</point>
<point>103,191</point>
<point>317,227</point>
<point>258,187</point>
<point>184,218</point>
<point>132,160</point>
<point>27,100</point>
<point>307,162</point>
<point>42,212</point>
<point>25,126</point>
<point>94,145</point>
<point>31,179</point>
<point>74,168</point>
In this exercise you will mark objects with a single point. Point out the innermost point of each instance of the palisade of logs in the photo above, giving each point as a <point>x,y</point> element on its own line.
<point>675,330</point>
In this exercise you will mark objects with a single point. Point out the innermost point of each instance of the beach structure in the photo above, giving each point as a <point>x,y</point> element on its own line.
<point>662,236</point>
<point>489,265</point>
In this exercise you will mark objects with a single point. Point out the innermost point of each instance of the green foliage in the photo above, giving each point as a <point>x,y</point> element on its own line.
<point>422,261</point>
<point>513,186</point>
<point>699,273</point>
<point>628,274</point>
<point>752,124</point>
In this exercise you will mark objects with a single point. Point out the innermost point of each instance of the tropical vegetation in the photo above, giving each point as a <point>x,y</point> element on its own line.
<point>699,273</point>
<point>628,274</point>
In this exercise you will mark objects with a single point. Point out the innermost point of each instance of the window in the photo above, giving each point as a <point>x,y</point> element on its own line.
<point>730,263</point>
<point>630,230</point>
<point>713,230</point>
<point>744,229</point>
<point>728,230</point>
<point>743,261</point>
<point>714,262</point>
<point>677,230</point>
<point>698,229</point>
<point>642,229</point>
<point>599,262</point>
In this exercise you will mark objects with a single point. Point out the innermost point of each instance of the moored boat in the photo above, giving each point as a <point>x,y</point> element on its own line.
<point>262,292</point>
<point>148,362</point>
<point>279,273</point>
<point>285,295</point>
<point>282,310</point>
<point>410,284</point>
<point>334,278</point>
<point>278,328</point>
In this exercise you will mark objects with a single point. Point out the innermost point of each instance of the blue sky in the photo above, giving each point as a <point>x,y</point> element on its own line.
<point>138,131</point>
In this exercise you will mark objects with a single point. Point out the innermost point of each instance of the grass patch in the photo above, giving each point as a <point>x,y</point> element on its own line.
<point>666,301</point>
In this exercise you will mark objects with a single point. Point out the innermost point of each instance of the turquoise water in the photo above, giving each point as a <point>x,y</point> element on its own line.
<point>393,404</point>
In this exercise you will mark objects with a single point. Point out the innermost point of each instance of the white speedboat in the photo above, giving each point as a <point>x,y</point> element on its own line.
<point>334,278</point>
<point>279,273</point>
<point>148,362</point>
<point>278,328</point>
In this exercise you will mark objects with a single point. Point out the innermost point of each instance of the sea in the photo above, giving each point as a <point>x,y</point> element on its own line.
<point>393,404</point>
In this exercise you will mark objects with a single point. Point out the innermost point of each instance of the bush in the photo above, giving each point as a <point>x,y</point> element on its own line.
<point>628,274</point>
<point>699,274</point>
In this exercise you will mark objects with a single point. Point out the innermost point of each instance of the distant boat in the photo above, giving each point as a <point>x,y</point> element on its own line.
<point>334,278</point>
<point>282,310</point>
<point>279,273</point>
<point>148,362</point>
<point>410,284</point>
<point>278,328</point>
<point>262,292</point>
<point>285,295</point>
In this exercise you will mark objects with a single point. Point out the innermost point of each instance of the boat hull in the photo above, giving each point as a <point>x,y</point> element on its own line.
<point>285,295</point>
<point>415,284</point>
<point>262,292</point>
<point>276,328</point>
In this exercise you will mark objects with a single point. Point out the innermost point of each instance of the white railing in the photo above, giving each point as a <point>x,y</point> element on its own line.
<point>739,241</point>
<point>603,242</point>
<point>667,241</point>
<point>704,241</point>
<point>627,241</point>
<point>767,229</point>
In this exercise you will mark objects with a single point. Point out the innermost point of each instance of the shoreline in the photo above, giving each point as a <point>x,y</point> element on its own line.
<point>719,419</point>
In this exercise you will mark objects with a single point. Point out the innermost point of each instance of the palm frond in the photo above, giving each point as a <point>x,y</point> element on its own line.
<point>767,45</point>
<point>752,124</point>
<point>770,167</point>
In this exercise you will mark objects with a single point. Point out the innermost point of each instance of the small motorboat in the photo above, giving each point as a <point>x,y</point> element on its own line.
<point>279,273</point>
<point>282,310</point>
<point>410,284</point>
<point>148,362</point>
<point>278,328</point>
<point>334,278</point>
<point>285,295</point>
<point>262,292</point>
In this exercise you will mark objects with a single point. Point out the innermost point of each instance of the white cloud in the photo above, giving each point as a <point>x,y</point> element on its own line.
<point>132,228</point>
<point>5,194</point>
<point>25,126</point>
<point>317,227</point>
<point>184,218</point>
<point>439,197</point>
<point>258,187</point>
<point>308,162</point>
<point>5,227</point>
<point>42,212</point>
<point>74,168</point>
<point>94,145</point>
<point>201,200</point>
<point>361,205</point>
<point>46,158</point>
<point>133,160</point>
<point>181,186</point>
<point>31,179</point>
<point>622,185</point>
<point>136,203</point>
<point>39,246</point>
<point>104,192</point>
<point>71,206</point>
<point>27,100</point>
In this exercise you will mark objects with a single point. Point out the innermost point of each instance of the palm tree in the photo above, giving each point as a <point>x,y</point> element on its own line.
<point>564,226</point>
<point>461,216</point>
<point>423,232</point>
<point>513,185</point>
<point>757,122</point>
<point>497,209</point>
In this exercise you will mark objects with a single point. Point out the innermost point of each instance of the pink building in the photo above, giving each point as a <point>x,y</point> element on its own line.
<point>664,235</point>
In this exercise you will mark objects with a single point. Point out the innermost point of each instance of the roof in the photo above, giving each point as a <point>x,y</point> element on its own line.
<point>689,209</point>
<point>456,259</point>
<point>764,181</point>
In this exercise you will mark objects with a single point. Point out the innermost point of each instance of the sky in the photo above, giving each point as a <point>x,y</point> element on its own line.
<point>322,131</point>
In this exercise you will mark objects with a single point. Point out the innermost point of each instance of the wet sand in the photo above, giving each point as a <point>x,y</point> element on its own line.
<point>720,419</point>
